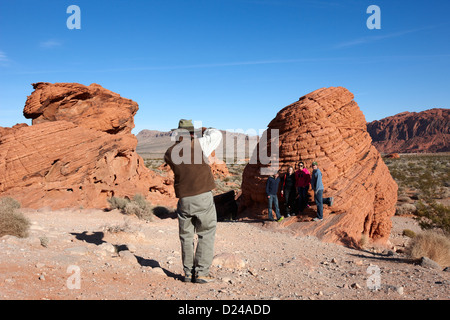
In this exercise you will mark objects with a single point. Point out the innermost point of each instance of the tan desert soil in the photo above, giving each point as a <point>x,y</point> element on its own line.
<point>121,257</point>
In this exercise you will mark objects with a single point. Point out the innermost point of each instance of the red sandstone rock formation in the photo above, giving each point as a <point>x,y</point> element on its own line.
<point>78,152</point>
<point>327,126</point>
<point>90,107</point>
<point>410,132</point>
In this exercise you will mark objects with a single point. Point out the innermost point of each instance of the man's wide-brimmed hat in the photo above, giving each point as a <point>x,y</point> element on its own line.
<point>185,125</point>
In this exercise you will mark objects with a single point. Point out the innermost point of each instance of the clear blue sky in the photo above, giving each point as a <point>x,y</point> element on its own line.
<point>232,64</point>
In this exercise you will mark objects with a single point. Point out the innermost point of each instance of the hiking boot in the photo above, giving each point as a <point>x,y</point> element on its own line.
<point>317,219</point>
<point>204,279</point>
<point>281,219</point>
<point>331,201</point>
<point>187,279</point>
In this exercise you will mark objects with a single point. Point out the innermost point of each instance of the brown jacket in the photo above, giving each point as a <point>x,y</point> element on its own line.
<point>192,172</point>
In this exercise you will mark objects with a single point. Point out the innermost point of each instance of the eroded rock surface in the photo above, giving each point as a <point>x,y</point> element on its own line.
<point>327,126</point>
<point>78,152</point>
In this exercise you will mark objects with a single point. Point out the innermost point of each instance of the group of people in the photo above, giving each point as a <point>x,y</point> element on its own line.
<point>295,184</point>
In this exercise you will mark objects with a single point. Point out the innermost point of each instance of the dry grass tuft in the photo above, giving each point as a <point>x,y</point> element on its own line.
<point>139,206</point>
<point>12,221</point>
<point>433,245</point>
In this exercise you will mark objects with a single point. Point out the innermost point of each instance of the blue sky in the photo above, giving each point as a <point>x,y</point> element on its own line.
<point>232,64</point>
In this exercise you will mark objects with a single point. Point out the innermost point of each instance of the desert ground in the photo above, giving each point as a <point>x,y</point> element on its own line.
<point>122,257</point>
<point>96,254</point>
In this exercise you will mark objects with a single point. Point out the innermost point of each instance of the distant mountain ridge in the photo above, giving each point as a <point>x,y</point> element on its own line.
<point>407,132</point>
<point>153,144</point>
<point>412,132</point>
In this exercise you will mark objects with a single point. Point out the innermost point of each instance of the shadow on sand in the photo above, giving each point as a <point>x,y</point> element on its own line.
<point>97,239</point>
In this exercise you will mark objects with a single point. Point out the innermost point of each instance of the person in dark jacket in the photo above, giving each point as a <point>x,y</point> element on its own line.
<point>288,191</point>
<point>271,191</point>
<point>317,186</point>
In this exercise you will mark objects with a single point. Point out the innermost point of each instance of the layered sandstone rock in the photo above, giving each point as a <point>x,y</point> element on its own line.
<point>327,126</point>
<point>90,107</point>
<point>78,152</point>
<point>410,132</point>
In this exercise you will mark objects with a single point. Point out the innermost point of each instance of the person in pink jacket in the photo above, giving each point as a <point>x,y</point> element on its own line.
<point>302,181</point>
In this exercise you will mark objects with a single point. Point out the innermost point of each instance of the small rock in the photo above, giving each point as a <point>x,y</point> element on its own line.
<point>252,272</point>
<point>334,260</point>
<point>10,239</point>
<point>428,263</point>
<point>100,253</point>
<point>227,280</point>
<point>228,260</point>
<point>356,286</point>
<point>358,262</point>
<point>108,247</point>
<point>400,290</point>
<point>34,241</point>
<point>158,270</point>
<point>127,256</point>
<point>132,248</point>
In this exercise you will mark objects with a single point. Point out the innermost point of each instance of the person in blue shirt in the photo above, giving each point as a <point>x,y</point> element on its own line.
<point>317,186</point>
<point>272,195</point>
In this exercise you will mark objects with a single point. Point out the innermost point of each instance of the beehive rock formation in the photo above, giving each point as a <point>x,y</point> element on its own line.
<point>327,126</point>
<point>410,132</point>
<point>78,152</point>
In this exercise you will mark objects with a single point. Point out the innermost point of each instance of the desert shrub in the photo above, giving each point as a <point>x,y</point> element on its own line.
<point>125,227</point>
<point>118,203</point>
<point>140,200</point>
<point>405,208</point>
<point>12,221</point>
<point>364,240</point>
<point>138,206</point>
<point>144,213</point>
<point>409,233</point>
<point>427,173</point>
<point>132,208</point>
<point>9,202</point>
<point>433,245</point>
<point>433,215</point>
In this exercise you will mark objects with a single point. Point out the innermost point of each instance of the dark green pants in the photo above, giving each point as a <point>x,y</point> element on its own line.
<point>197,215</point>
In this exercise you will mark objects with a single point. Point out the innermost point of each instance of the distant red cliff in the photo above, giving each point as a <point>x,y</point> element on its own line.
<point>412,132</point>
